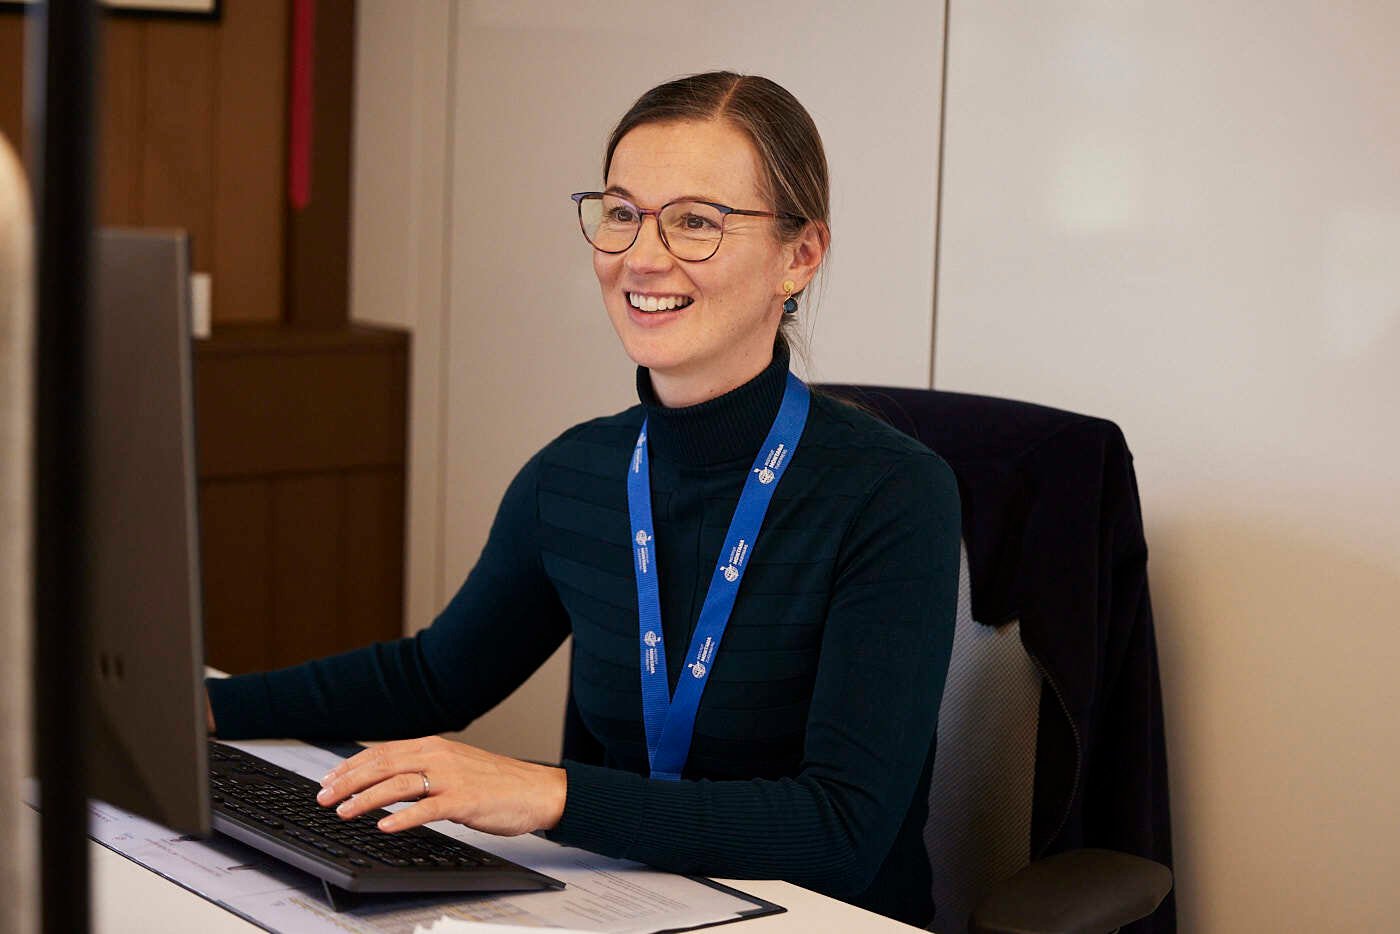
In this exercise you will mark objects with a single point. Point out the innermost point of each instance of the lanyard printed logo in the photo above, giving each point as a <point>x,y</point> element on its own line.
<point>732,570</point>
<point>670,721</point>
<point>774,462</point>
<point>707,652</point>
<point>649,660</point>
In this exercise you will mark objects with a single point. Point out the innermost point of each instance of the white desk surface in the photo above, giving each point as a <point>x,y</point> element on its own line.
<point>128,899</point>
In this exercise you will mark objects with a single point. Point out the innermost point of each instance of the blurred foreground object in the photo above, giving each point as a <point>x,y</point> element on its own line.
<point>16,359</point>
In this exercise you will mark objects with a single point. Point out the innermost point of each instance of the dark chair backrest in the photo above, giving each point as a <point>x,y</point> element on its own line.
<point>1053,537</point>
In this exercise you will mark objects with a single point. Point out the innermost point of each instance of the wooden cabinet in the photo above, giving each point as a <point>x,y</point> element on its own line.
<point>301,467</point>
<point>301,417</point>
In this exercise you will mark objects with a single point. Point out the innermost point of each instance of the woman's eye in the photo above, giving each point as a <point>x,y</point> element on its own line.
<point>622,216</point>
<point>696,222</point>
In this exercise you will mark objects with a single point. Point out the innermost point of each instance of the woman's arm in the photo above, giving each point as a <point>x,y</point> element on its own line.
<point>504,621</point>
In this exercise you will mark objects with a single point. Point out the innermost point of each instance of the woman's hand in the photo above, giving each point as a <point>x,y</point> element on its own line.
<point>471,786</point>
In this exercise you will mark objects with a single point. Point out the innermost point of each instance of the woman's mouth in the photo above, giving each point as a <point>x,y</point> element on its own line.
<point>655,303</point>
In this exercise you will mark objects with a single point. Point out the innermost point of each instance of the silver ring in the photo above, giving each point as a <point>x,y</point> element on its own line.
<point>427,788</point>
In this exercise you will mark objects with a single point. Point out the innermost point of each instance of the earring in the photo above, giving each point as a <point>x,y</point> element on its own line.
<point>790,304</point>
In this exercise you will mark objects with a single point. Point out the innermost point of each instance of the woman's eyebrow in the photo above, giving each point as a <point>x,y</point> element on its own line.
<point>624,193</point>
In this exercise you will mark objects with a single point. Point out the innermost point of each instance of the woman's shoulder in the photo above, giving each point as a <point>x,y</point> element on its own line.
<point>594,443</point>
<point>900,494</point>
<point>887,474</point>
<point>849,433</point>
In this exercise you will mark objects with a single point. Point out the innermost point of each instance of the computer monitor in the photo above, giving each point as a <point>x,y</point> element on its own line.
<point>148,751</point>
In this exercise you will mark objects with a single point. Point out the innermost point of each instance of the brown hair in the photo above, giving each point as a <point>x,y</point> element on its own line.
<point>782,132</point>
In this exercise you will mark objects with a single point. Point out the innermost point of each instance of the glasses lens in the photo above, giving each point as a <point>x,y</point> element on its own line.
<point>693,229</point>
<point>609,222</point>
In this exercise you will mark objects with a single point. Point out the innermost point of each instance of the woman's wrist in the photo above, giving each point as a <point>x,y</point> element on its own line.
<point>555,783</point>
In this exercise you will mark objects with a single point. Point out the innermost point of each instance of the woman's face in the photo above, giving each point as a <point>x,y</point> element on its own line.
<point>724,336</point>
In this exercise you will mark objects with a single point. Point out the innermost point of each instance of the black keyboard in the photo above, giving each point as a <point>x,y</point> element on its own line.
<point>274,810</point>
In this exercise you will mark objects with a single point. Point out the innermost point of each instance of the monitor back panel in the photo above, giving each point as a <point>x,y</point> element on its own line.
<point>148,748</point>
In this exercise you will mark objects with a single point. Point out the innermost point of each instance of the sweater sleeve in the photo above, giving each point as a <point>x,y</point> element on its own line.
<point>884,658</point>
<point>502,624</point>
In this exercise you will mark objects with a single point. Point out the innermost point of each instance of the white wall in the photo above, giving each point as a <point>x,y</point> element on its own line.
<point>523,349</point>
<point>399,241</point>
<point>1186,217</point>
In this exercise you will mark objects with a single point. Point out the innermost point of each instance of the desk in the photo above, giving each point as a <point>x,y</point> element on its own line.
<point>128,899</point>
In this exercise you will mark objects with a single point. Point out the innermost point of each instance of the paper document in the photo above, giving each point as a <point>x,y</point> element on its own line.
<point>449,926</point>
<point>604,896</point>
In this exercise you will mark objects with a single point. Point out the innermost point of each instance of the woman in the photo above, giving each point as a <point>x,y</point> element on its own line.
<point>817,687</point>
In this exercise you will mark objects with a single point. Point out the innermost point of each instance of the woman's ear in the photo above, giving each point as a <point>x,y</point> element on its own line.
<point>807,253</point>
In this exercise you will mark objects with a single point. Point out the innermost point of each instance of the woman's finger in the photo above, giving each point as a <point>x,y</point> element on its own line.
<point>415,815</point>
<point>373,766</point>
<point>406,787</point>
<point>377,753</point>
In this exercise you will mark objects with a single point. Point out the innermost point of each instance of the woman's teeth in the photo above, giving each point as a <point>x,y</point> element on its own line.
<point>658,303</point>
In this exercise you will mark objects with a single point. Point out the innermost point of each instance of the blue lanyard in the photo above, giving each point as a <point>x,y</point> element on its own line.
<point>669,721</point>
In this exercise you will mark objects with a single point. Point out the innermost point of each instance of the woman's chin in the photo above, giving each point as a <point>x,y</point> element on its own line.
<point>658,358</point>
<point>654,349</point>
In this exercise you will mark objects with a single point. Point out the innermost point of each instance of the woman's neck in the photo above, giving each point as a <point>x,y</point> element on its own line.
<point>722,428</point>
<point>678,390</point>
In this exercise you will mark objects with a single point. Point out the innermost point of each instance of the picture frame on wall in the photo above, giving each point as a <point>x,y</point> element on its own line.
<point>178,9</point>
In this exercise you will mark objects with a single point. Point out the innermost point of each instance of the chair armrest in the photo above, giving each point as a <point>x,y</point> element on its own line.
<point>1076,892</point>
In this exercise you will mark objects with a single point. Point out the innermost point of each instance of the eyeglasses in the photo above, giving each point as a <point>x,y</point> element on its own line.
<point>691,230</point>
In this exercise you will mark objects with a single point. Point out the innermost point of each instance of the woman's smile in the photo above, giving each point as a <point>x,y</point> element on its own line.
<point>651,302</point>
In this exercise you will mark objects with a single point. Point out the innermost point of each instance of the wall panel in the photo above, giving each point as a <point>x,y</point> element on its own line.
<point>180,75</point>
<point>403,134</point>
<point>248,174</point>
<point>1185,217</point>
<point>192,121</point>
<point>122,115</point>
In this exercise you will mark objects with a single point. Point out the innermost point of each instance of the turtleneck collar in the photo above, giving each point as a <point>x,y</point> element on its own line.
<point>726,428</point>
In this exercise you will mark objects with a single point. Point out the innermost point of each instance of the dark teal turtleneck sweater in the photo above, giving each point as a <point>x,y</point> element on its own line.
<point>813,742</point>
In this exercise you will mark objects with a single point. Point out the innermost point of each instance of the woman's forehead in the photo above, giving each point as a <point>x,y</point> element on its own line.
<point>659,162</point>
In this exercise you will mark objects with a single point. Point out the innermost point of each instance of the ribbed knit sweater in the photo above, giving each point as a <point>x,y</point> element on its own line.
<point>813,741</point>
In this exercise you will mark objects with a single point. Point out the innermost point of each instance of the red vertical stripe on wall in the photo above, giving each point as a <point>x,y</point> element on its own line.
<point>302,102</point>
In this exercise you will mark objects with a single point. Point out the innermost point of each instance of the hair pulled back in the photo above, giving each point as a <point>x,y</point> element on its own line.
<point>781,130</point>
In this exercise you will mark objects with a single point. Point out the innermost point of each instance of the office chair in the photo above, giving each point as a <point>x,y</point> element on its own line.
<point>1047,805</point>
<point>16,314</point>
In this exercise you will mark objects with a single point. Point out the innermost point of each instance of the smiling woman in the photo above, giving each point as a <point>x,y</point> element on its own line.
<point>718,140</point>
<point>699,310</point>
<point>765,705</point>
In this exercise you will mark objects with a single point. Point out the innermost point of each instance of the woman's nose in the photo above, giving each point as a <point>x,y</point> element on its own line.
<point>648,253</point>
